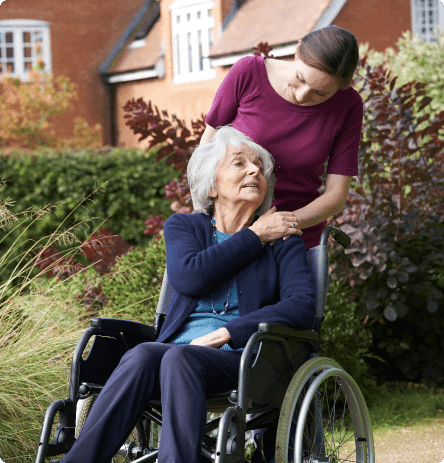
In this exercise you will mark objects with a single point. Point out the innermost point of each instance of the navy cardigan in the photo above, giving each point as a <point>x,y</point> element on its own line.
<point>274,283</point>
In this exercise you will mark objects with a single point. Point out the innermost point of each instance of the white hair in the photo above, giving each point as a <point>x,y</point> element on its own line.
<point>203,163</point>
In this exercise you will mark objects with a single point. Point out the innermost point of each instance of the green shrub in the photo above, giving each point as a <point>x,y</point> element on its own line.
<point>394,219</point>
<point>415,60</point>
<point>347,340</point>
<point>131,187</point>
<point>133,286</point>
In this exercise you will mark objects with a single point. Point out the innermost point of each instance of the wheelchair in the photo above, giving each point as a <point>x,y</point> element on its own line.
<point>314,407</point>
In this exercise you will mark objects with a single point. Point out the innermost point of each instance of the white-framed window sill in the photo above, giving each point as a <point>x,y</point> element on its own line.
<point>195,77</point>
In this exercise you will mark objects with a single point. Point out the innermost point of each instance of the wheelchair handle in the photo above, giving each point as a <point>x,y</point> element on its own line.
<point>341,237</point>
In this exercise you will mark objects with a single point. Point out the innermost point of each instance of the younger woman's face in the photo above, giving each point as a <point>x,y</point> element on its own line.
<point>308,86</point>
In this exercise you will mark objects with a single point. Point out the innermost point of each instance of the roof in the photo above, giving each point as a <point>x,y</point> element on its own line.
<point>274,21</point>
<point>142,54</point>
<point>140,26</point>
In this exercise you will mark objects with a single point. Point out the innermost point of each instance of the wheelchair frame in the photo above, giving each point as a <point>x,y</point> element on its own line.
<point>279,378</point>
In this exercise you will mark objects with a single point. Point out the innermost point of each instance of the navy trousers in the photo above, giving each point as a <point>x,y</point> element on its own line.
<point>182,375</point>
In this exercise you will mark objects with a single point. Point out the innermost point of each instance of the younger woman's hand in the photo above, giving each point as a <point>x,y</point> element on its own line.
<point>273,225</point>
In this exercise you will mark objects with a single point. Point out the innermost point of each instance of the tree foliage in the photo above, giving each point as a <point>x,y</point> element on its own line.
<point>415,60</point>
<point>176,142</point>
<point>28,108</point>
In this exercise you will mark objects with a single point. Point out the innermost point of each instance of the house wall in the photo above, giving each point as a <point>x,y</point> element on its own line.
<point>188,101</point>
<point>378,22</point>
<point>82,35</point>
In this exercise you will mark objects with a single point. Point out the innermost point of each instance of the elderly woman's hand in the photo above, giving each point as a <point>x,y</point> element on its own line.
<point>273,225</point>
<point>214,339</point>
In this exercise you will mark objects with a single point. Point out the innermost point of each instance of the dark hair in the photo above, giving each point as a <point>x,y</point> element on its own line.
<point>333,50</point>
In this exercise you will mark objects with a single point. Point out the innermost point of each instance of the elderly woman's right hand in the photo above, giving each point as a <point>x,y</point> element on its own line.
<point>273,225</point>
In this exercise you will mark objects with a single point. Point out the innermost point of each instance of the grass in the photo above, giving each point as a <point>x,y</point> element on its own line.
<point>38,333</point>
<point>37,336</point>
<point>403,404</point>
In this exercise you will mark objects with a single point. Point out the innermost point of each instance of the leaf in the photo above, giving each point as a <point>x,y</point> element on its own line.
<point>390,313</point>
<point>392,282</point>
<point>392,83</point>
<point>432,305</point>
<point>403,277</point>
<point>401,309</point>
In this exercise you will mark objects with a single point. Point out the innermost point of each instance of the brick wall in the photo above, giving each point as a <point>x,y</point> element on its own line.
<point>83,33</point>
<point>378,22</point>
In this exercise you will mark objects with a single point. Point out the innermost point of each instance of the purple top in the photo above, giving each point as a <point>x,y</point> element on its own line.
<point>300,138</point>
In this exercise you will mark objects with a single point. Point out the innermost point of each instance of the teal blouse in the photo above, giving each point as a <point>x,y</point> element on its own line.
<point>203,320</point>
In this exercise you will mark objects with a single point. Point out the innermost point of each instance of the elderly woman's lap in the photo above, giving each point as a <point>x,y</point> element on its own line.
<point>182,375</point>
<point>217,369</point>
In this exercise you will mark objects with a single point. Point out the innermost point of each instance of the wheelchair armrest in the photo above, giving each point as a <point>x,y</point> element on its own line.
<point>287,332</point>
<point>126,326</point>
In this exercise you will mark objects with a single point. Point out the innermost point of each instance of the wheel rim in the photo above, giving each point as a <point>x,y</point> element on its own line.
<point>137,437</point>
<point>330,427</point>
<point>334,425</point>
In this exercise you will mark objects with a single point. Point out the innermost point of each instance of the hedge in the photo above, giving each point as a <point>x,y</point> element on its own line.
<point>123,188</point>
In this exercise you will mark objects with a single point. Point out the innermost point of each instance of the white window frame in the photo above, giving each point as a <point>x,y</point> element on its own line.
<point>185,38</point>
<point>421,11</point>
<point>17,27</point>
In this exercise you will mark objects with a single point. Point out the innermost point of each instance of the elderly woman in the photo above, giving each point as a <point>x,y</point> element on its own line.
<point>226,281</point>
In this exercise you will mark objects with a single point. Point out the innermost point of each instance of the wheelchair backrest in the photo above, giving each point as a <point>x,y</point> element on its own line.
<point>317,259</point>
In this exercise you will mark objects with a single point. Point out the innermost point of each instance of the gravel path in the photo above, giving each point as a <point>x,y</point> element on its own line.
<point>422,442</point>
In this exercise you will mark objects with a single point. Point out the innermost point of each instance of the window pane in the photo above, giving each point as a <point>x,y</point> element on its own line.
<point>9,38</point>
<point>27,37</point>
<point>1,68</point>
<point>190,58</point>
<point>9,52</point>
<point>198,15</point>
<point>199,38</point>
<point>178,20</point>
<point>27,52</point>
<point>188,16</point>
<point>210,13</point>
<point>38,36</point>
<point>28,66</point>
<point>178,53</point>
<point>10,67</point>
<point>1,35</point>
<point>1,51</point>
<point>210,37</point>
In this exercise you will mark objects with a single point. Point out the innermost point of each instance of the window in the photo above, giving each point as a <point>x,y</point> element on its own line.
<point>192,39</point>
<point>427,15</point>
<point>22,43</point>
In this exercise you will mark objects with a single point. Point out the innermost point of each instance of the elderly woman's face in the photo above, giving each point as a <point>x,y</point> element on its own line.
<point>239,178</point>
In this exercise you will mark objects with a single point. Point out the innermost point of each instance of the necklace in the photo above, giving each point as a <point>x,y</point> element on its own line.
<point>227,302</point>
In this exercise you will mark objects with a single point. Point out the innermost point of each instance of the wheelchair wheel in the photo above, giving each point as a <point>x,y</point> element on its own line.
<point>138,439</point>
<point>324,418</point>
